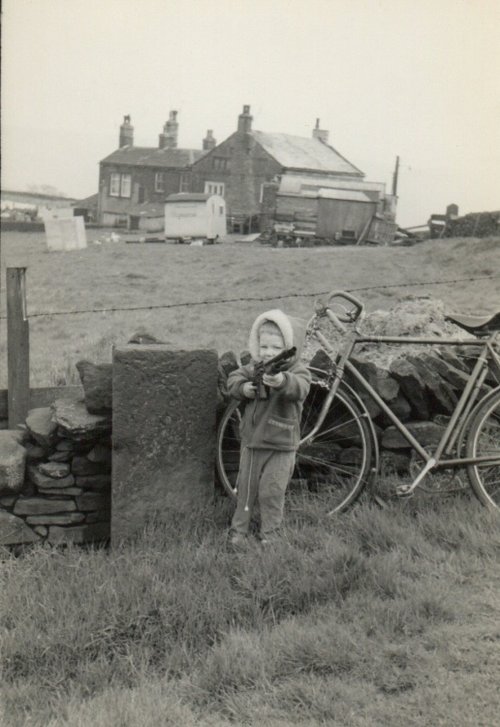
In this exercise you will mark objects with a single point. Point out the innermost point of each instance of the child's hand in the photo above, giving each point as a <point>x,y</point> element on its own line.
<point>274,380</point>
<point>249,390</point>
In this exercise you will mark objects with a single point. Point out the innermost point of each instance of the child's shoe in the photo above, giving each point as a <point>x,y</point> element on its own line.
<point>237,540</point>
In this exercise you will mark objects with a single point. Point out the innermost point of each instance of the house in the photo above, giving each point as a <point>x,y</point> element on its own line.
<point>135,181</point>
<point>264,176</point>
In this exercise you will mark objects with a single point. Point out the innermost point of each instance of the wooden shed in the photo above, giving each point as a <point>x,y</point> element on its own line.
<point>189,216</point>
<point>344,214</point>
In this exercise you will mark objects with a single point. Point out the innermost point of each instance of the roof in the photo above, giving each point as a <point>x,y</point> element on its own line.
<point>87,201</point>
<point>188,197</point>
<point>298,152</point>
<point>154,157</point>
<point>350,195</point>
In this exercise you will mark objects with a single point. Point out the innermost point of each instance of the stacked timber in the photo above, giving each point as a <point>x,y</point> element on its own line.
<point>475,224</point>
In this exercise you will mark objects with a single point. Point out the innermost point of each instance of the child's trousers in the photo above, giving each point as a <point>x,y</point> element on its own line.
<point>263,476</point>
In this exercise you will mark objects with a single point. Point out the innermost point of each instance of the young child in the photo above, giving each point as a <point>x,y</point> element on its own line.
<point>270,427</point>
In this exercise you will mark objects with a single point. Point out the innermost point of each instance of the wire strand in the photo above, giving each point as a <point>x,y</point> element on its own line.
<point>223,301</point>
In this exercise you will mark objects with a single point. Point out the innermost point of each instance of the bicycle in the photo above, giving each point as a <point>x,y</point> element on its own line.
<point>338,455</point>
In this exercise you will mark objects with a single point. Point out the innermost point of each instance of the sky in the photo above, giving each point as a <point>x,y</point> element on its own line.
<point>418,80</point>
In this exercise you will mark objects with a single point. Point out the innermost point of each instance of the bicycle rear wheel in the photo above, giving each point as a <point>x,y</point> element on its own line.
<point>334,467</point>
<point>483,440</point>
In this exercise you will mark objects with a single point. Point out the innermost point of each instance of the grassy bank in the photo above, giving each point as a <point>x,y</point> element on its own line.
<point>376,617</point>
<point>117,275</point>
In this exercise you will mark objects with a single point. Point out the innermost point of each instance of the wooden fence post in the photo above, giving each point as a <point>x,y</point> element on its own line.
<point>18,347</point>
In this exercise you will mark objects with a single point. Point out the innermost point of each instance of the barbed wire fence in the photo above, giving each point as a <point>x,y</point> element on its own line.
<point>260,298</point>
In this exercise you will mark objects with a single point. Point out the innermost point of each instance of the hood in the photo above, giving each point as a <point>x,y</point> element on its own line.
<point>292,329</point>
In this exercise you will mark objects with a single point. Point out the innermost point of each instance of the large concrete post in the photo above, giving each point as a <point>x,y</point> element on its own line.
<point>164,406</point>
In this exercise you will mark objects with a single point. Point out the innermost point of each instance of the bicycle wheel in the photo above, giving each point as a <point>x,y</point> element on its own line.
<point>483,440</point>
<point>335,465</point>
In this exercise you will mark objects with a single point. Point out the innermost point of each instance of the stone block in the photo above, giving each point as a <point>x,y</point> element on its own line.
<point>14,531</point>
<point>97,386</point>
<point>56,470</point>
<point>34,452</point>
<point>41,426</point>
<point>412,387</point>
<point>44,481</point>
<point>69,518</point>
<point>99,516</point>
<point>164,405</point>
<point>42,506</point>
<point>76,423</point>
<point>56,491</point>
<point>426,433</point>
<point>12,462</point>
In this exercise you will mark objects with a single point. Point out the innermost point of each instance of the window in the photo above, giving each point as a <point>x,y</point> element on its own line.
<point>184,183</point>
<point>114,186</point>
<point>214,188</point>
<point>220,164</point>
<point>159,182</point>
<point>120,185</point>
<point>126,185</point>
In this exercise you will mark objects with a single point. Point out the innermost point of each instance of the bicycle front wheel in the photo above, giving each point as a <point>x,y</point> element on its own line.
<point>335,465</point>
<point>483,440</point>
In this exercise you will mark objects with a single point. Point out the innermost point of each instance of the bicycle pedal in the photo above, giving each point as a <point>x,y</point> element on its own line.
<point>404,491</point>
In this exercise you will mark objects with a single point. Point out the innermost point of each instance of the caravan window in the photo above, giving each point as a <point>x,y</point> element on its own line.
<point>214,188</point>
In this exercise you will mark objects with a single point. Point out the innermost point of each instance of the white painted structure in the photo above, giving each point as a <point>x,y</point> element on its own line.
<point>195,216</point>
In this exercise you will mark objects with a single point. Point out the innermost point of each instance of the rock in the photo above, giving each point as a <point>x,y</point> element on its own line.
<point>142,336</point>
<point>97,386</point>
<point>412,386</point>
<point>41,530</point>
<point>93,501</point>
<point>56,470</point>
<point>14,531</point>
<point>41,426</point>
<point>12,462</point>
<point>60,457</point>
<point>400,407</point>
<point>321,361</point>
<point>69,518</point>
<point>426,433</point>
<point>65,445</point>
<point>455,376</point>
<point>34,452</point>
<point>96,532</point>
<point>65,492</point>
<point>245,357</point>
<point>83,466</point>
<point>94,482</point>
<point>449,356</point>
<point>76,423</point>
<point>228,362</point>
<point>100,454</point>
<point>98,517</point>
<point>442,397</point>
<point>42,506</point>
<point>8,500</point>
<point>41,480</point>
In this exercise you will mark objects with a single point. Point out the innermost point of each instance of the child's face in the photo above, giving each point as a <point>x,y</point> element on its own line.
<point>270,344</point>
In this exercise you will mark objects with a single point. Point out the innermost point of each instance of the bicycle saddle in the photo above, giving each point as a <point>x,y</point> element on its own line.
<point>479,325</point>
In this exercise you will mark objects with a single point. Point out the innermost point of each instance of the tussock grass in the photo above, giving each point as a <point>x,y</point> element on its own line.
<point>349,620</point>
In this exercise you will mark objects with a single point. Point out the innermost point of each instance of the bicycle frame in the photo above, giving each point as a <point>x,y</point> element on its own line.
<point>440,459</point>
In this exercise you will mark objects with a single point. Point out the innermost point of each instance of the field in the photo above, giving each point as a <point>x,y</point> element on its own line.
<point>119,275</point>
<point>374,618</point>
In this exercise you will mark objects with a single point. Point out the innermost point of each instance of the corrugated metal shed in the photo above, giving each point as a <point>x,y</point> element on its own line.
<point>153,157</point>
<point>297,152</point>
<point>348,195</point>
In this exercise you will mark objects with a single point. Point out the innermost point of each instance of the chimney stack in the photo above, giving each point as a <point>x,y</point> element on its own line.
<point>245,120</point>
<point>320,134</point>
<point>209,142</point>
<point>168,139</point>
<point>126,133</point>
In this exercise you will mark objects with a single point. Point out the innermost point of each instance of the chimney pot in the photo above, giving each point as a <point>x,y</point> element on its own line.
<point>320,134</point>
<point>168,139</point>
<point>245,120</point>
<point>126,137</point>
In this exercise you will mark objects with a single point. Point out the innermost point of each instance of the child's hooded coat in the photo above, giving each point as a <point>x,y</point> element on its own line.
<point>274,423</point>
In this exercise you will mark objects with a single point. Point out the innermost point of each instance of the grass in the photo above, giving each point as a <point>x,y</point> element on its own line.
<point>375,617</point>
<point>121,275</point>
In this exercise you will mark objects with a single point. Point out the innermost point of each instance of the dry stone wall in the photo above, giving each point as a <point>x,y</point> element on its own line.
<point>55,477</point>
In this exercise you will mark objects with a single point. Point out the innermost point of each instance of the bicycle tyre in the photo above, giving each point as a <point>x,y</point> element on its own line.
<point>335,466</point>
<point>483,439</point>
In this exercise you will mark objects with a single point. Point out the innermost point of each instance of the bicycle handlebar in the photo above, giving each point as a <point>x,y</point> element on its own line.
<point>347,315</point>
